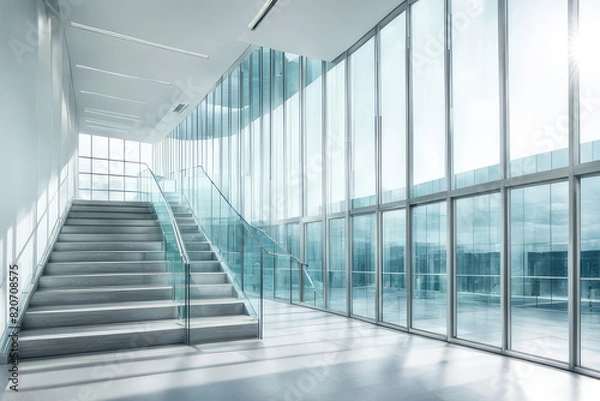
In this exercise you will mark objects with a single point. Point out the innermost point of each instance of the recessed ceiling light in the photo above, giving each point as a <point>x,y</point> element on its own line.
<point>266,8</point>
<point>121,75</point>
<point>107,129</point>
<point>136,40</point>
<point>113,114</point>
<point>113,97</point>
<point>106,123</point>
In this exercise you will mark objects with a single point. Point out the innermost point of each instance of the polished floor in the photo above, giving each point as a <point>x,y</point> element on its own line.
<point>306,355</point>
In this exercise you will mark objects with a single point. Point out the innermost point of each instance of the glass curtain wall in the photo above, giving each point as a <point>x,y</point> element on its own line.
<point>434,175</point>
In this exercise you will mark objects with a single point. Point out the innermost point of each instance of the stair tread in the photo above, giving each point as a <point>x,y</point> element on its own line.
<point>110,262</point>
<point>136,274</point>
<point>127,305</point>
<point>215,321</point>
<point>71,332</point>
<point>84,243</point>
<point>122,288</point>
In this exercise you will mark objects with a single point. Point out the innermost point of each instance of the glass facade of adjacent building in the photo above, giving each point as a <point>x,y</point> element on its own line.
<point>442,176</point>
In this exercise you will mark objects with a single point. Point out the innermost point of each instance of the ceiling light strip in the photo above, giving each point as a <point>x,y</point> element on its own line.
<point>112,116</point>
<point>121,75</point>
<point>106,123</point>
<point>266,8</point>
<point>111,113</point>
<point>136,40</point>
<point>108,129</point>
<point>113,97</point>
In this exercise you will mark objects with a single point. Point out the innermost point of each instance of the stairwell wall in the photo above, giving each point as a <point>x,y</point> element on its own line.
<point>38,137</point>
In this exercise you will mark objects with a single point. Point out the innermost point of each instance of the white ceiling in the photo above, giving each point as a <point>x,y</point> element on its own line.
<point>218,28</point>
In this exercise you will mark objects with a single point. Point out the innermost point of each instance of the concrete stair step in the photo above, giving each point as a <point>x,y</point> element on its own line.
<point>69,296</point>
<point>228,328</point>
<point>126,279</point>
<point>110,208</point>
<point>123,312</point>
<point>78,268</point>
<point>106,280</point>
<point>189,229</point>
<point>88,203</point>
<point>110,215</point>
<point>110,229</point>
<point>47,342</point>
<point>156,235</point>
<point>107,256</point>
<point>196,236</point>
<point>110,246</point>
<point>205,266</point>
<point>201,255</point>
<point>111,222</point>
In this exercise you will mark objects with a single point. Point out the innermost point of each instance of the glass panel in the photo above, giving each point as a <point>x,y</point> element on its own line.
<point>539,218</point>
<point>266,135</point>
<point>100,147</point>
<point>336,137</point>
<point>131,184</point>
<point>85,181</point>
<point>226,138</point>
<point>313,281</point>
<point>85,145</point>
<point>293,247</point>
<point>132,169</point>
<point>314,137</point>
<point>538,85</point>
<point>394,268</point>
<point>116,149</point>
<point>590,273</point>
<point>132,151</point>
<point>589,64</point>
<point>429,105</point>
<point>476,92</point>
<point>146,156</point>
<point>85,195</point>
<point>100,182</point>
<point>478,234</point>
<point>116,196</point>
<point>362,87</point>
<point>363,266</point>
<point>429,268</point>
<point>337,266</point>
<point>85,165</point>
<point>100,195</point>
<point>117,183</point>
<point>99,166</point>
<point>277,195</point>
<point>293,170</point>
<point>282,273</point>
<point>117,168</point>
<point>393,110</point>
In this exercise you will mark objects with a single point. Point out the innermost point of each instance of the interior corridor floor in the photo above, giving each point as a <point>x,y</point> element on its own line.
<point>306,355</point>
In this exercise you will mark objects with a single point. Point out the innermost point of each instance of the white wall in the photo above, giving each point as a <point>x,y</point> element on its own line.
<point>38,136</point>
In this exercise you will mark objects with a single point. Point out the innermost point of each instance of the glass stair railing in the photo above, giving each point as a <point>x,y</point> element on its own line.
<point>249,252</point>
<point>176,256</point>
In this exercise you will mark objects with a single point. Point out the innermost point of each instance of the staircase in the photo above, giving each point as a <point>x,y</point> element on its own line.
<point>107,287</point>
